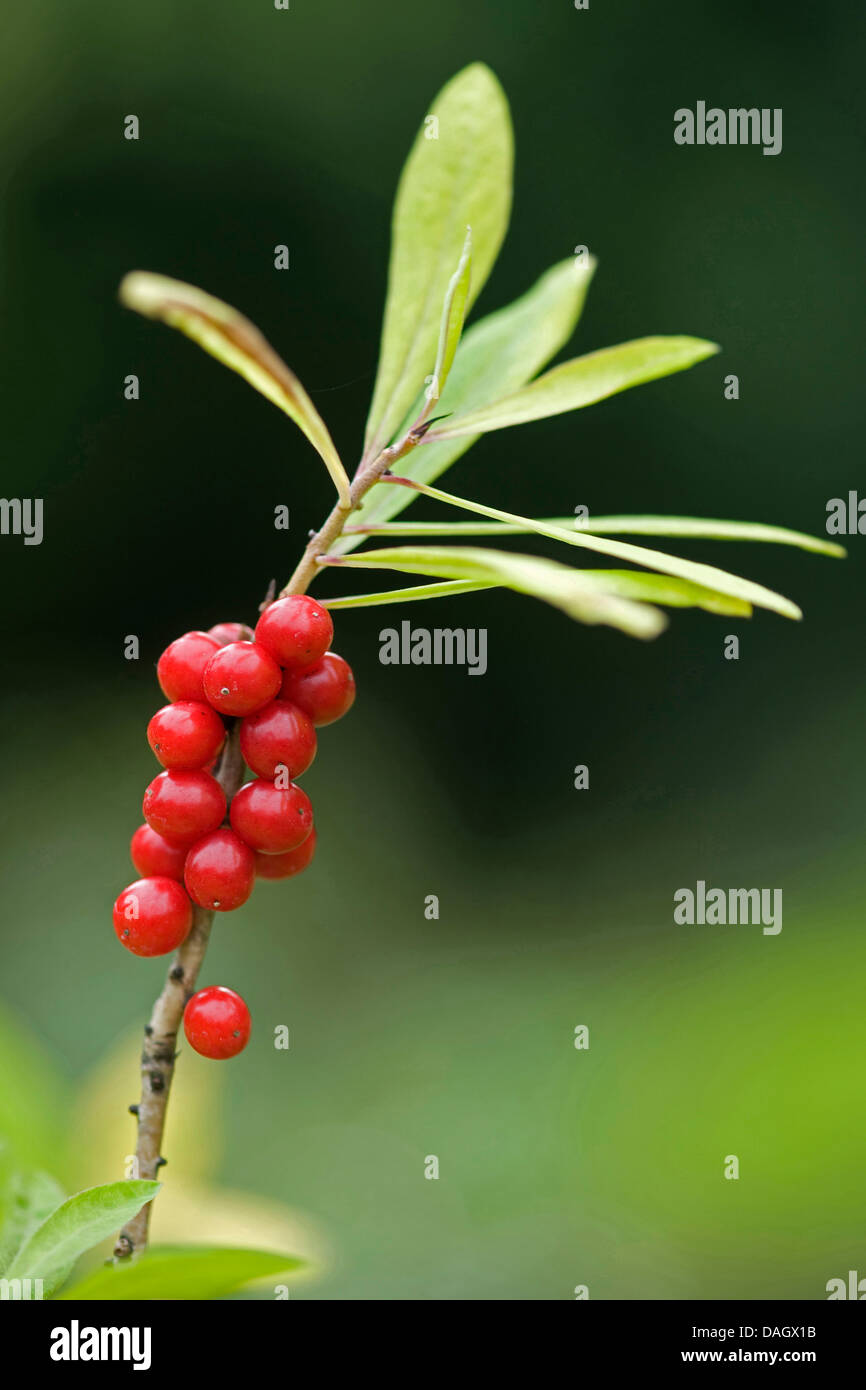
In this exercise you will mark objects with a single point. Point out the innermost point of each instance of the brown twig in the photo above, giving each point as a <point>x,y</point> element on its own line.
<point>321,541</point>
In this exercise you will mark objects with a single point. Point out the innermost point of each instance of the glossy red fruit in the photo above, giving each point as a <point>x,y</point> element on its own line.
<point>152,916</point>
<point>155,857</point>
<point>220,871</point>
<point>325,691</point>
<point>272,819</point>
<point>184,806</point>
<point>295,630</point>
<point>181,666</point>
<point>241,678</point>
<point>187,734</point>
<point>231,632</point>
<point>217,1022</point>
<point>278,735</point>
<point>289,864</point>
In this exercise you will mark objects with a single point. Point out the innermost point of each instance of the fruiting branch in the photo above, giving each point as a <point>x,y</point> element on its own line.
<point>159,1050</point>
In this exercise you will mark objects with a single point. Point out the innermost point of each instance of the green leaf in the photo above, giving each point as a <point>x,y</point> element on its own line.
<point>499,353</point>
<point>411,595</point>
<point>675,593</point>
<point>708,576</point>
<point>27,1199</point>
<point>699,528</point>
<point>80,1222</point>
<point>459,178</point>
<point>690,528</point>
<point>580,596</point>
<point>183,1272</point>
<point>453,316</point>
<point>229,337</point>
<point>643,588</point>
<point>581,382</point>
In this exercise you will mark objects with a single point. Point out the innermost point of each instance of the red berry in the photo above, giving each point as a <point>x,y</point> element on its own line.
<point>289,864</point>
<point>187,734</point>
<point>184,806</point>
<point>272,819</point>
<point>296,630</point>
<point>155,857</point>
<point>279,734</point>
<point>217,1022</point>
<point>230,632</point>
<point>325,691</point>
<point>152,916</point>
<point>181,666</point>
<point>220,871</point>
<point>241,678</point>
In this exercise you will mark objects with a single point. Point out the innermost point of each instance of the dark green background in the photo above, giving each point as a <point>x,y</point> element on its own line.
<point>454,1037</point>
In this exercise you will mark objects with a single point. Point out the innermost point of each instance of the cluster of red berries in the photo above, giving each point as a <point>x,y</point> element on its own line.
<point>282,682</point>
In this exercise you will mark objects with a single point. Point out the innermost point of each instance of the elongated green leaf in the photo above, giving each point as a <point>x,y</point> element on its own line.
<point>411,595</point>
<point>458,174</point>
<point>699,528</point>
<point>581,382</point>
<point>79,1223</point>
<point>583,598</point>
<point>706,575</point>
<point>643,588</point>
<point>453,315</point>
<point>690,528</point>
<point>27,1199</point>
<point>495,355</point>
<point>674,593</point>
<point>238,344</point>
<point>183,1272</point>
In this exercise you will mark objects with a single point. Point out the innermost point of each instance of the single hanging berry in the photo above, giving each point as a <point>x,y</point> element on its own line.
<point>188,734</point>
<point>184,806</point>
<point>152,916</point>
<point>241,678</point>
<point>181,666</point>
<point>220,871</point>
<point>154,856</point>
<point>278,735</point>
<point>295,630</point>
<point>294,861</point>
<point>216,1022</point>
<point>271,819</point>
<point>325,691</point>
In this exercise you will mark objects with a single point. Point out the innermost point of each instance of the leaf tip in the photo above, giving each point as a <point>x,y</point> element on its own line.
<point>146,292</point>
<point>651,624</point>
<point>129,288</point>
<point>705,347</point>
<point>480,70</point>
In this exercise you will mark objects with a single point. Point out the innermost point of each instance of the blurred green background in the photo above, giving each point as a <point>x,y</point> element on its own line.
<point>454,1037</point>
